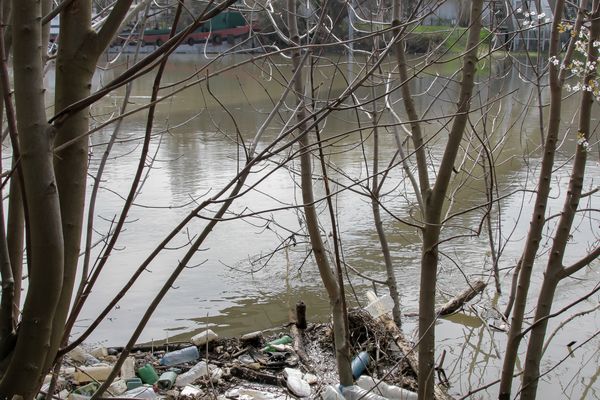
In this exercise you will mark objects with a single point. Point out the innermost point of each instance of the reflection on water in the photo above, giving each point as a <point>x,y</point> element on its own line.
<point>237,283</point>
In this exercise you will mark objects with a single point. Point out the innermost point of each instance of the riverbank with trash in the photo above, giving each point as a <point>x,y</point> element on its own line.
<point>296,361</point>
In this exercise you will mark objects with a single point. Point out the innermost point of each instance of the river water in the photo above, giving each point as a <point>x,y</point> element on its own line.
<point>248,272</point>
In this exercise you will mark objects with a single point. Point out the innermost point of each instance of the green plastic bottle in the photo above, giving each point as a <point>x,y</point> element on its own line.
<point>285,339</point>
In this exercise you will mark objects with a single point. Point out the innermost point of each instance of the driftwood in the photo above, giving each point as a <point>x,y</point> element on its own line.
<point>406,348</point>
<point>298,334</point>
<point>256,376</point>
<point>458,301</point>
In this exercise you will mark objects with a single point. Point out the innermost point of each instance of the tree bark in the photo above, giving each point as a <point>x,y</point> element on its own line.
<point>554,268</point>
<point>538,216</point>
<point>434,203</point>
<point>23,374</point>
<point>340,323</point>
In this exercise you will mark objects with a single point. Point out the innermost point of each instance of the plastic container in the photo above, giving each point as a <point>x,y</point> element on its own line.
<point>381,306</point>
<point>167,380</point>
<point>360,363</point>
<point>86,390</point>
<point>196,372</point>
<point>385,390</point>
<point>94,373</point>
<point>81,356</point>
<point>204,337</point>
<point>282,340</point>
<point>186,354</point>
<point>118,387</point>
<point>356,392</point>
<point>142,392</point>
<point>128,368</point>
<point>331,393</point>
<point>99,352</point>
<point>133,383</point>
<point>148,374</point>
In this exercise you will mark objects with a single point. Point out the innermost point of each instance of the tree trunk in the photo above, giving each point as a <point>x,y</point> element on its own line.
<point>23,374</point>
<point>75,66</point>
<point>554,270</point>
<point>538,217</point>
<point>434,203</point>
<point>340,322</point>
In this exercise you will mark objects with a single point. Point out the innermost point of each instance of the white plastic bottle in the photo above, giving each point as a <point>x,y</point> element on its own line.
<point>355,392</point>
<point>204,337</point>
<point>385,390</point>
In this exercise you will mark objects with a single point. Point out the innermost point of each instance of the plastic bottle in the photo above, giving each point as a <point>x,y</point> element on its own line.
<point>360,363</point>
<point>331,393</point>
<point>180,356</point>
<point>285,339</point>
<point>204,337</point>
<point>94,373</point>
<point>196,372</point>
<point>356,392</point>
<point>385,390</point>
<point>148,374</point>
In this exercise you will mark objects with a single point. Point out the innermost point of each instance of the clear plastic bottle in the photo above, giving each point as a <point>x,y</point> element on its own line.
<point>331,393</point>
<point>355,392</point>
<point>180,356</point>
<point>196,372</point>
<point>387,391</point>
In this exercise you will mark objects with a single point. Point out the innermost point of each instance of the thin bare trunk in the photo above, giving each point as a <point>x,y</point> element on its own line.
<point>375,198</point>
<point>312,222</point>
<point>538,217</point>
<point>554,269</point>
<point>23,374</point>
<point>434,203</point>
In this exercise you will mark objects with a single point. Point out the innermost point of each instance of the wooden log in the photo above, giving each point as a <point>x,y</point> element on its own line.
<point>298,335</point>
<point>301,315</point>
<point>458,301</point>
<point>256,376</point>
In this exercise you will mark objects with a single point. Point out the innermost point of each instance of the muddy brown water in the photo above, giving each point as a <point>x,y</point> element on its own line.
<point>236,284</point>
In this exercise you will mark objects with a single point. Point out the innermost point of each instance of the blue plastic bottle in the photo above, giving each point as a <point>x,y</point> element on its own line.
<point>180,356</point>
<point>359,364</point>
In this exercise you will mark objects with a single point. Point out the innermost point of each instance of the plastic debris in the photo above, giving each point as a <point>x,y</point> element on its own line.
<point>167,380</point>
<point>148,374</point>
<point>331,393</point>
<point>128,368</point>
<point>275,345</point>
<point>356,392</point>
<point>186,354</point>
<point>385,390</point>
<point>360,363</point>
<point>92,373</point>
<point>196,372</point>
<point>204,337</point>
<point>191,391</point>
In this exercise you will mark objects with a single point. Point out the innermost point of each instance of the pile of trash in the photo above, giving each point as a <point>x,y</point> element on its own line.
<point>245,368</point>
